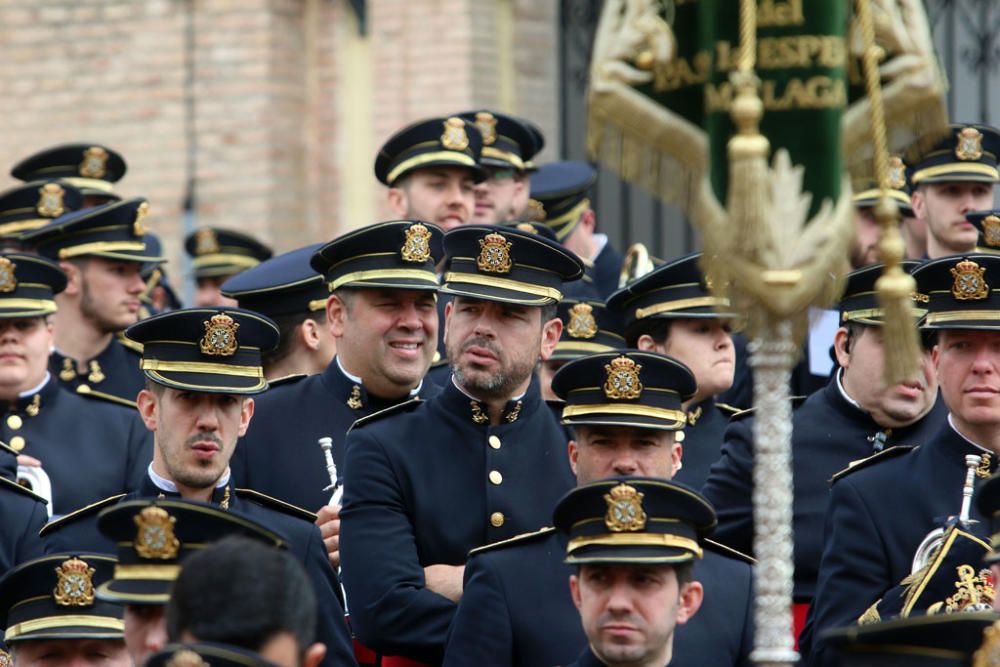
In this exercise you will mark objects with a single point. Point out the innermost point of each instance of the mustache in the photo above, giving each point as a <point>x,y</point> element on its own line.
<point>479,341</point>
<point>203,437</point>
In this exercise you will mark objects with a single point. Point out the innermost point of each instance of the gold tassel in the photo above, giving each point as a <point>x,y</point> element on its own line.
<point>895,294</point>
<point>749,183</point>
<point>870,616</point>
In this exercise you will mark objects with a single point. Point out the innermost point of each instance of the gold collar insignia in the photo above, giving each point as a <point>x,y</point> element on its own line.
<point>220,336</point>
<point>50,200</point>
<point>417,246</point>
<point>625,513</point>
<point>970,144</point>
<point>94,165</point>
<point>75,586</point>
<point>581,322</point>
<point>535,211</point>
<point>155,535</point>
<point>623,379</point>
<point>494,254</point>
<point>969,285</point>
<point>454,137</point>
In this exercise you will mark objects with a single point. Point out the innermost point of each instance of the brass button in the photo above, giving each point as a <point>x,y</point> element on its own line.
<point>494,442</point>
<point>15,422</point>
<point>496,477</point>
<point>679,436</point>
<point>497,519</point>
<point>17,443</point>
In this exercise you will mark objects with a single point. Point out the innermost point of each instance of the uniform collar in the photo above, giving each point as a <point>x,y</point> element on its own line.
<point>155,485</point>
<point>700,411</point>
<point>350,390</point>
<point>97,367</point>
<point>588,659</point>
<point>457,402</point>
<point>956,447</point>
<point>30,402</point>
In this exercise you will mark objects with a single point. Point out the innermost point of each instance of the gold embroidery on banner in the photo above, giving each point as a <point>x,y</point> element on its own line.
<point>75,586</point>
<point>625,513</point>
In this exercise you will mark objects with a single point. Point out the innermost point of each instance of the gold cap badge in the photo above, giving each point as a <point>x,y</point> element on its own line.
<point>897,173</point>
<point>50,200</point>
<point>454,137</point>
<point>94,162</point>
<point>625,513</point>
<point>991,231</point>
<point>486,123</point>
<point>525,227</point>
<point>140,214</point>
<point>581,321</point>
<point>969,285</point>
<point>75,586</point>
<point>155,535</point>
<point>970,144</point>
<point>417,246</point>
<point>989,651</point>
<point>8,281</point>
<point>186,658</point>
<point>5,659</point>
<point>494,254</point>
<point>535,211</point>
<point>220,336</point>
<point>206,242</point>
<point>623,379</point>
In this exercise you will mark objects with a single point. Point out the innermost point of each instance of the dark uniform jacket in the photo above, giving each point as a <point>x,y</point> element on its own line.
<point>588,659</point>
<point>702,443</point>
<point>115,371</point>
<point>605,270</point>
<point>877,517</point>
<point>89,448</point>
<point>280,454</point>
<point>828,433</point>
<point>22,515</point>
<point>78,532</point>
<point>426,483</point>
<point>516,609</point>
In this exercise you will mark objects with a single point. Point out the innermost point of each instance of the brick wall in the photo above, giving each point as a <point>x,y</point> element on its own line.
<point>290,101</point>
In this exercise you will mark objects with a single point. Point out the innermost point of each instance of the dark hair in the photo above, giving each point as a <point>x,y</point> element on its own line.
<point>854,332</point>
<point>656,328</point>
<point>242,592</point>
<point>154,387</point>
<point>550,312</point>
<point>287,324</point>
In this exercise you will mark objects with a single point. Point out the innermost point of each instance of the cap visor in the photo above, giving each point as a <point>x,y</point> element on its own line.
<point>209,383</point>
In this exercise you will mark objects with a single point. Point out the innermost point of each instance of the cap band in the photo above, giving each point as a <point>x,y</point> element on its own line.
<point>424,158</point>
<point>490,151</point>
<point>81,620</point>
<point>583,346</point>
<point>102,246</point>
<point>670,306</point>
<point>92,183</point>
<point>572,215</point>
<point>201,367</point>
<point>875,193</point>
<point>503,283</point>
<point>636,539</point>
<point>956,168</point>
<point>225,258</point>
<point>375,274</point>
<point>144,572</point>
<point>623,409</point>
<point>316,304</point>
<point>960,315</point>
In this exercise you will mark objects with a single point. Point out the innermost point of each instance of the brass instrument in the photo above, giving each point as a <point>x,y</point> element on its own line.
<point>36,480</point>
<point>931,543</point>
<point>637,263</point>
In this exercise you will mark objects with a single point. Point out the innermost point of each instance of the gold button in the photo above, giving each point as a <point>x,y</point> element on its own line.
<point>17,443</point>
<point>497,519</point>
<point>15,422</point>
<point>679,436</point>
<point>496,477</point>
<point>494,442</point>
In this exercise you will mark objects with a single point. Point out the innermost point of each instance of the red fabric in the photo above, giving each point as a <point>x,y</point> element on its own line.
<point>367,657</point>
<point>799,611</point>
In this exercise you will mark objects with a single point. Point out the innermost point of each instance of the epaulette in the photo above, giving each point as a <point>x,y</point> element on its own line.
<point>14,486</point>
<point>276,504</point>
<point>728,552</point>
<point>884,455</point>
<point>405,406</point>
<point>286,379</point>
<point>517,539</point>
<point>90,392</point>
<point>79,514</point>
<point>129,343</point>
<point>796,401</point>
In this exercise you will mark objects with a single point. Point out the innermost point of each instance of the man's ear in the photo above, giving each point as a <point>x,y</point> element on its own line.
<point>246,414</point>
<point>918,202</point>
<point>840,348</point>
<point>676,458</point>
<point>74,278</point>
<point>588,220</point>
<point>574,589</point>
<point>448,307</point>
<point>146,405</point>
<point>310,334</point>
<point>314,655</point>
<point>573,450</point>
<point>692,593</point>
<point>551,331</point>
<point>398,202</point>
<point>646,343</point>
<point>336,314</point>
